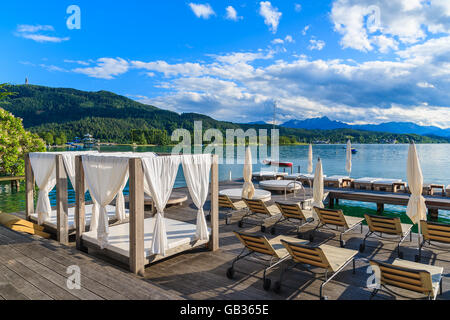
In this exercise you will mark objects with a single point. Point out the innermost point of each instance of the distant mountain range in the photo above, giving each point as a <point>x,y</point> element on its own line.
<point>325,123</point>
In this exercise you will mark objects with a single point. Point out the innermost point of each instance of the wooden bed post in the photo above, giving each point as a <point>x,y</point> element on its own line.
<point>80,201</point>
<point>29,187</point>
<point>214,242</point>
<point>62,206</point>
<point>136,215</point>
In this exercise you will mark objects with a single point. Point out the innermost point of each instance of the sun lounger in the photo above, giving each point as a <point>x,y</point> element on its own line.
<point>434,187</point>
<point>293,213</point>
<point>409,275</point>
<point>329,218</point>
<point>338,181</point>
<point>436,232</point>
<point>258,209</point>
<point>447,191</point>
<point>330,258</point>
<point>225,202</point>
<point>261,248</point>
<point>268,175</point>
<point>388,185</point>
<point>387,225</point>
<point>365,183</point>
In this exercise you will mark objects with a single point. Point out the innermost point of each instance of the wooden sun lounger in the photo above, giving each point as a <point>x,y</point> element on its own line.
<point>433,231</point>
<point>269,175</point>
<point>336,218</point>
<point>364,183</point>
<point>259,209</point>
<point>387,225</point>
<point>409,275</point>
<point>330,258</point>
<point>259,245</point>
<point>293,211</point>
<point>389,185</point>
<point>439,187</point>
<point>225,202</point>
<point>338,182</point>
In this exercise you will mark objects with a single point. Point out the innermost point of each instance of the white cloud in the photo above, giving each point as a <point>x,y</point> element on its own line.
<point>316,44</point>
<point>31,32</point>
<point>232,14</point>
<point>424,85</point>
<point>107,68</point>
<point>34,28</point>
<point>385,44</point>
<point>297,7</point>
<point>366,25</point>
<point>270,14</point>
<point>83,63</point>
<point>305,29</point>
<point>287,39</point>
<point>413,86</point>
<point>43,38</point>
<point>202,10</point>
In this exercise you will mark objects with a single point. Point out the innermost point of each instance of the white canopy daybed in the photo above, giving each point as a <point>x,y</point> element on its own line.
<point>142,241</point>
<point>54,169</point>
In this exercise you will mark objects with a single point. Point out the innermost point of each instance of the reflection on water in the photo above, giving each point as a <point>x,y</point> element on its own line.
<point>384,161</point>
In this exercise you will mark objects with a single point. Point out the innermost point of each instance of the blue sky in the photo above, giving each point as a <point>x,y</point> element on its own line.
<point>359,61</point>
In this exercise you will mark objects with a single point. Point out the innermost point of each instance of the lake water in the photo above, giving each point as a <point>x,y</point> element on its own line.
<point>384,161</point>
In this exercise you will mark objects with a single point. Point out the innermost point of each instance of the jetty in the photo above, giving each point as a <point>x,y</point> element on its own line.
<point>380,198</point>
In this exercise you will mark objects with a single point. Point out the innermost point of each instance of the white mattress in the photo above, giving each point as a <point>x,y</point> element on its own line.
<point>178,233</point>
<point>269,174</point>
<point>366,180</point>
<point>301,175</point>
<point>71,218</point>
<point>387,181</point>
<point>335,178</point>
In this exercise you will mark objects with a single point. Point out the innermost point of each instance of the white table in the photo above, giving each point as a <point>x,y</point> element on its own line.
<point>236,194</point>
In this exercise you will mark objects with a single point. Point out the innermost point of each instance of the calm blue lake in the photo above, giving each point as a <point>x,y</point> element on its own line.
<point>385,161</point>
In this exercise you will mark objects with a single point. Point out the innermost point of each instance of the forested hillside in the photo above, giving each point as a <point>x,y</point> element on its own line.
<point>59,115</point>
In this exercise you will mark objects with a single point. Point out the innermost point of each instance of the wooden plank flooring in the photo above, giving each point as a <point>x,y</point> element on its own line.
<point>200,274</point>
<point>34,268</point>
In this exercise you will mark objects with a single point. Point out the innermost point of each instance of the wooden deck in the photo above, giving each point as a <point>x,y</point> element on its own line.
<point>35,268</point>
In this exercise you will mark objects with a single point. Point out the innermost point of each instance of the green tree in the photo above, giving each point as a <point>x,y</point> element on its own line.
<point>15,142</point>
<point>49,139</point>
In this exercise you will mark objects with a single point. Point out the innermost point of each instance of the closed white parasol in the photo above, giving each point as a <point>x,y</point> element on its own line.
<point>248,190</point>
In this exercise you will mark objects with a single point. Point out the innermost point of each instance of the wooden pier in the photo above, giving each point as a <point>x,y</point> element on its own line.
<point>434,203</point>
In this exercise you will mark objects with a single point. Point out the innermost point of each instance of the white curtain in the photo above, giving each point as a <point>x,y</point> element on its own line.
<point>160,173</point>
<point>104,176</point>
<point>120,201</point>
<point>197,169</point>
<point>69,164</point>
<point>43,165</point>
